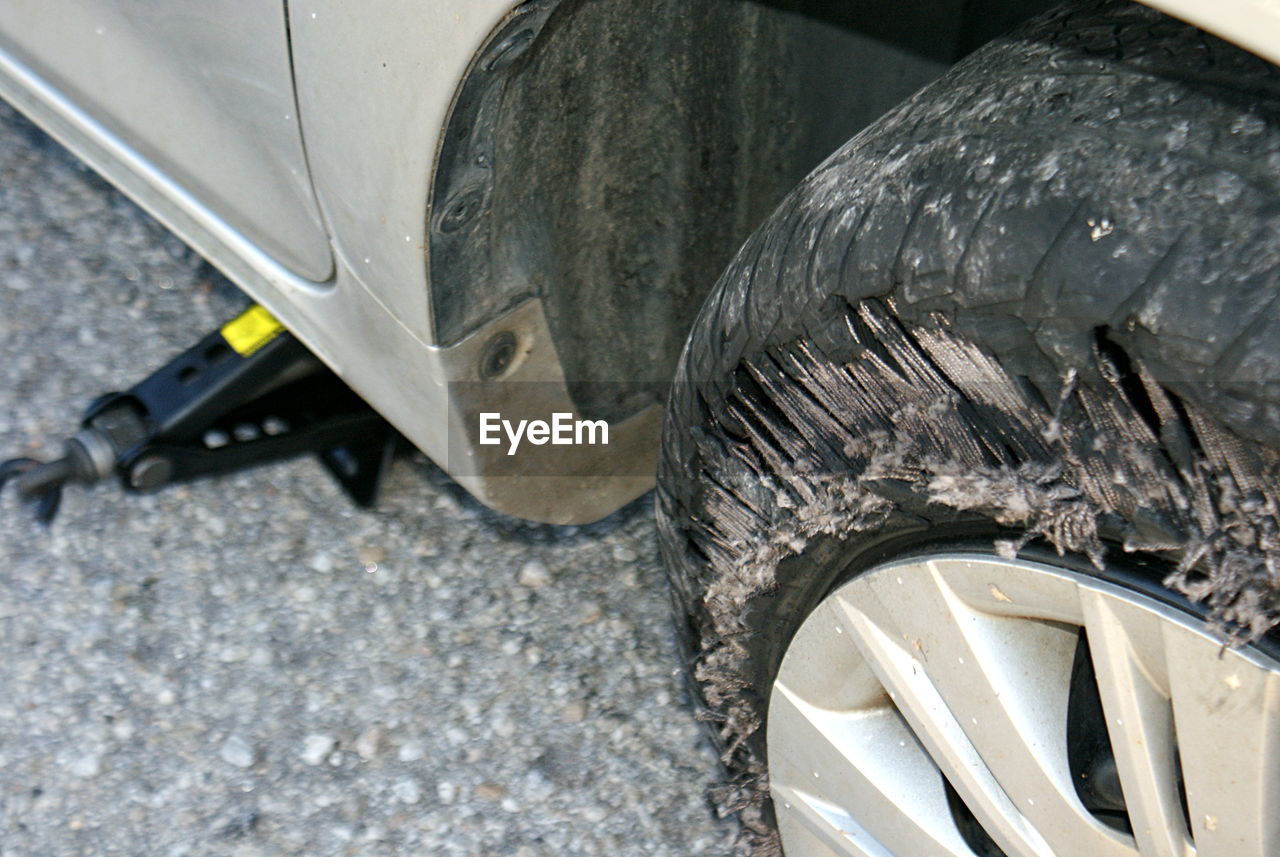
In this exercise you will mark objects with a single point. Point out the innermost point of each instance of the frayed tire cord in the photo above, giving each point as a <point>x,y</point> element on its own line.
<point>1042,292</point>
<point>925,419</point>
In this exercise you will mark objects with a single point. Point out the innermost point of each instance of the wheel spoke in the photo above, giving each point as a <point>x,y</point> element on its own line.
<point>1227,717</point>
<point>1139,722</point>
<point>988,694</point>
<point>866,762</point>
<point>826,824</point>
<point>945,740</point>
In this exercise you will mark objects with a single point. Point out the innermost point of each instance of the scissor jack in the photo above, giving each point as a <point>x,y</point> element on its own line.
<point>247,394</point>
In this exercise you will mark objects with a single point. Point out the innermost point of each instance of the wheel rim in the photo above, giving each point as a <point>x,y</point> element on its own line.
<point>927,694</point>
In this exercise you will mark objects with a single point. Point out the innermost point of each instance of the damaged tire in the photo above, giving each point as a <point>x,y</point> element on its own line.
<point>971,462</point>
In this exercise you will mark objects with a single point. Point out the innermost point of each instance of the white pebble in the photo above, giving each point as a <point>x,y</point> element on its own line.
<point>369,742</point>
<point>407,791</point>
<point>534,574</point>
<point>87,766</point>
<point>316,748</point>
<point>411,751</point>
<point>236,751</point>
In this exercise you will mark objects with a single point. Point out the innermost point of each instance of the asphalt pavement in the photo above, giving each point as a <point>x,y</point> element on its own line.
<point>252,666</point>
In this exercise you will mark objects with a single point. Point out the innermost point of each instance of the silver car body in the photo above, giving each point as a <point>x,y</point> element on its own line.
<point>293,144</point>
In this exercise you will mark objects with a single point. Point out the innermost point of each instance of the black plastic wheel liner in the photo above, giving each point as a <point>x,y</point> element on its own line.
<point>610,157</point>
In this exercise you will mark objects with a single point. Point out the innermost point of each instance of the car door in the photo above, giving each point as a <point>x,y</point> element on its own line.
<point>202,91</point>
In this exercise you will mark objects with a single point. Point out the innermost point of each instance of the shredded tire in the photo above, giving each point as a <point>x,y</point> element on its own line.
<point>1042,294</point>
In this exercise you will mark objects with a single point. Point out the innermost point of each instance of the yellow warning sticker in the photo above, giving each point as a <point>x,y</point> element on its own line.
<point>251,330</point>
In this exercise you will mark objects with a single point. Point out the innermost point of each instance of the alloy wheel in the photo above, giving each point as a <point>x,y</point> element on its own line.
<point>942,707</point>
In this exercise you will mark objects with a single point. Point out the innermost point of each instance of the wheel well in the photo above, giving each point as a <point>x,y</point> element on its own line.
<point>609,157</point>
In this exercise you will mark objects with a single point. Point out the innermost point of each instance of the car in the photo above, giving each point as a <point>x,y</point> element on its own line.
<point>958,322</point>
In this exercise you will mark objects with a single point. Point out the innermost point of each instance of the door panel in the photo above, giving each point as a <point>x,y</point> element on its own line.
<point>202,90</point>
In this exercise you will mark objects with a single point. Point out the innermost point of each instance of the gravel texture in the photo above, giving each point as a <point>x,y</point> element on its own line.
<point>251,665</point>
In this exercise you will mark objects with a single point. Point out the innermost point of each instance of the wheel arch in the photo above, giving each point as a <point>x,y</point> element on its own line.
<point>608,158</point>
